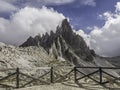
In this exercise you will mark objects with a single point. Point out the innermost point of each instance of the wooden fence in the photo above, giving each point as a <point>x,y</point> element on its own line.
<point>100,73</point>
<point>77,74</point>
<point>17,74</point>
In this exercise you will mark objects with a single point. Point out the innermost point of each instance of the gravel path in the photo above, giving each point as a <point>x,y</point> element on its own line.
<point>69,85</point>
<point>66,86</point>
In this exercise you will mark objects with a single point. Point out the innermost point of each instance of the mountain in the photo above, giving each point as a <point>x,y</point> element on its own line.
<point>63,43</point>
<point>66,45</point>
<point>58,49</point>
<point>113,60</point>
<point>29,57</point>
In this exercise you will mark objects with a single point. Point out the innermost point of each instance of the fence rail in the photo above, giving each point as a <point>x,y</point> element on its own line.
<point>18,73</point>
<point>51,72</point>
<point>100,71</point>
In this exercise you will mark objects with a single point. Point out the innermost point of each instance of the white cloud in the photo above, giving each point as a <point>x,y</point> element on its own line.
<point>28,22</point>
<point>89,28</point>
<point>84,35</point>
<point>106,40</point>
<point>55,1</point>
<point>117,7</point>
<point>14,5</point>
<point>7,7</point>
<point>88,2</point>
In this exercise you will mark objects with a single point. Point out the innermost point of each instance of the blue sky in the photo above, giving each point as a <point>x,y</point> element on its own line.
<point>83,16</point>
<point>97,21</point>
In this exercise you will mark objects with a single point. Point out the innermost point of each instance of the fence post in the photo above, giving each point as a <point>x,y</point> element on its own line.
<point>75,75</point>
<point>17,78</point>
<point>51,75</point>
<point>100,71</point>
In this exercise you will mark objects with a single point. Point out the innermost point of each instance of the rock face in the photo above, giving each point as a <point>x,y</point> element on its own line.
<point>61,48</point>
<point>29,57</point>
<point>63,43</point>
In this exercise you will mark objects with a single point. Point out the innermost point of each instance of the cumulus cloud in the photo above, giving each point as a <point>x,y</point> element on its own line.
<point>106,40</point>
<point>6,6</point>
<point>28,22</point>
<point>84,35</point>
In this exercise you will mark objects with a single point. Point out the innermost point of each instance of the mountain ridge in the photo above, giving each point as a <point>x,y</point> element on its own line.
<point>62,42</point>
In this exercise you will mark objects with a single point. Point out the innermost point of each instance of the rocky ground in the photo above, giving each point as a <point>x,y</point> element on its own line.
<point>70,85</point>
<point>34,57</point>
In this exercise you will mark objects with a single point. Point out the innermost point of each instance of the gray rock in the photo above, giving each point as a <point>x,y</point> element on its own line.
<point>64,39</point>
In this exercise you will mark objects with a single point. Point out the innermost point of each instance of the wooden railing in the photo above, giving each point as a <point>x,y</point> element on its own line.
<point>99,72</point>
<point>78,74</point>
<point>17,74</point>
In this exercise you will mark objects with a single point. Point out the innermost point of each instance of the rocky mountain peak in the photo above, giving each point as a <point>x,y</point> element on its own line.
<point>63,43</point>
<point>66,26</point>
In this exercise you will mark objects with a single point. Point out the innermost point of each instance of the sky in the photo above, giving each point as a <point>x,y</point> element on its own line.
<point>97,21</point>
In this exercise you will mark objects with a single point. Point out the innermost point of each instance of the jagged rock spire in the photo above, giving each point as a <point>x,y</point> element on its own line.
<point>63,42</point>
